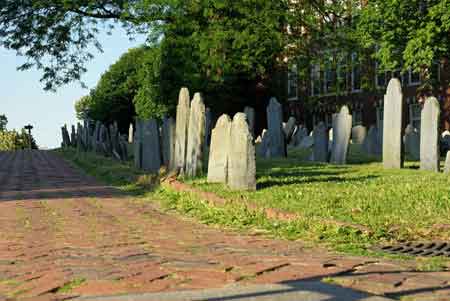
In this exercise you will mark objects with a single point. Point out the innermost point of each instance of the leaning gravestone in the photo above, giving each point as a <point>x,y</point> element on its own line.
<point>151,156</point>
<point>429,135</point>
<point>275,129</point>
<point>320,147</point>
<point>392,125</point>
<point>289,128</point>
<point>137,148</point>
<point>359,133</point>
<point>181,132</point>
<point>342,127</point>
<point>168,142</point>
<point>219,151</point>
<point>250,114</point>
<point>242,162</point>
<point>196,137</point>
<point>412,142</point>
<point>447,163</point>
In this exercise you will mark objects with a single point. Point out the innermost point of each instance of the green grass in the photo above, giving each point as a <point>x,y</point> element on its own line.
<point>396,205</point>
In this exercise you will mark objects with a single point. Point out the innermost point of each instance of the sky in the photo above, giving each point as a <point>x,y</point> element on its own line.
<point>23,100</point>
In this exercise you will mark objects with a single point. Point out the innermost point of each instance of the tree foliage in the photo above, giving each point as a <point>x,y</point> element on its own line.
<point>13,140</point>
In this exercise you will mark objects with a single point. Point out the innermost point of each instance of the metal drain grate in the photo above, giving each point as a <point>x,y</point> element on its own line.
<point>427,249</point>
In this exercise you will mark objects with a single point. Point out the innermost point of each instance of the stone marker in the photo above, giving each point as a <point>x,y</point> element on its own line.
<point>208,129</point>
<point>275,130</point>
<point>429,135</point>
<point>447,163</point>
<point>359,134</point>
<point>320,147</point>
<point>242,162</point>
<point>372,143</point>
<point>73,137</point>
<point>219,151</point>
<point>342,127</point>
<point>196,137</point>
<point>392,126</point>
<point>137,149</point>
<point>307,142</point>
<point>250,114</point>
<point>264,145</point>
<point>289,128</point>
<point>300,133</point>
<point>151,156</point>
<point>168,142</point>
<point>181,132</point>
<point>412,142</point>
<point>130,133</point>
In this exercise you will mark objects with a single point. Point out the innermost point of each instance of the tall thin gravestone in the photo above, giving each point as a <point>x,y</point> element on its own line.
<point>275,129</point>
<point>320,147</point>
<point>342,128</point>
<point>168,142</point>
<point>392,126</point>
<point>219,151</point>
<point>196,137</point>
<point>429,135</point>
<point>182,124</point>
<point>412,142</point>
<point>250,114</point>
<point>151,156</point>
<point>137,149</point>
<point>242,162</point>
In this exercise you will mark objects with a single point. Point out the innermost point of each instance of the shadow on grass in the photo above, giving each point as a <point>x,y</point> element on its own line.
<point>309,180</point>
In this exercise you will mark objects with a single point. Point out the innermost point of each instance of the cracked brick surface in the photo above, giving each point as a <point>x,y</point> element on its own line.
<point>64,234</point>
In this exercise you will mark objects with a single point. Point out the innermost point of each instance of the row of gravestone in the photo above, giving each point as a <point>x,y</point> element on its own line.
<point>96,137</point>
<point>188,145</point>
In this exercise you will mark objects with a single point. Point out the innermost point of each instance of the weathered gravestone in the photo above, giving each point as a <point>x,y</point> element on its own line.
<point>219,151</point>
<point>181,132</point>
<point>65,136</point>
<point>151,156</point>
<point>277,143</point>
<point>429,135</point>
<point>447,163</point>
<point>137,149</point>
<point>96,136</point>
<point>250,114</point>
<point>73,137</point>
<point>168,142</point>
<point>130,133</point>
<point>412,142</point>
<point>299,134</point>
<point>372,144</point>
<point>87,135</point>
<point>264,144</point>
<point>392,126</point>
<point>208,129</point>
<point>242,162</point>
<point>196,137</point>
<point>342,127</point>
<point>359,134</point>
<point>79,135</point>
<point>289,128</point>
<point>320,147</point>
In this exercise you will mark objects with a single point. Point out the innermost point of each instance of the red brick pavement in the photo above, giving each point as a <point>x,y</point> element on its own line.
<point>60,227</point>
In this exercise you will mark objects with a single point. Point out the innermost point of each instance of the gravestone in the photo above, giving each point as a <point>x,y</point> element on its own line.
<point>242,162</point>
<point>372,144</point>
<point>412,142</point>
<point>289,128</point>
<point>264,145</point>
<point>219,151</point>
<point>342,127</point>
<point>151,156</point>
<point>181,129</point>
<point>137,149</point>
<point>250,114</point>
<point>96,136</point>
<point>80,134</point>
<point>447,163</point>
<point>392,126</point>
<point>429,135</point>
<point>359,134</point>
<point>168,142</point>
<point>307,142</point>
<point>208,129</point>
<point>300,133</point>
<point>277,143</point>
<point>130,133</point>
<point>320,147</point>
<point>196,137</point>
<point>73,137</point>
<point>445,141</point>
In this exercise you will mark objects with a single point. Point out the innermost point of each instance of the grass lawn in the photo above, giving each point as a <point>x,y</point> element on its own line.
<point>395,205</point>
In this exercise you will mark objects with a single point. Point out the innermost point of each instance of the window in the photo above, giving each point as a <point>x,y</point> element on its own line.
<point>380,76</point>
<point>341,75</point>
<point>357,117</point>
<point>414,77</point>
<point>315,80</point>
<point>356,73</point>
<point>329,76</point>
<point>293,83</point>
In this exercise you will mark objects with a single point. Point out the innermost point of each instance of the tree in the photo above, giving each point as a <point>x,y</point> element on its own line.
<point>12,140</point>
<point>3,123</point>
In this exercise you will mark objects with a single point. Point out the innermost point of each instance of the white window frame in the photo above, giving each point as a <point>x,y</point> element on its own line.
<point>292,77</point>
<point>410,79</point>
<point>354,55</point>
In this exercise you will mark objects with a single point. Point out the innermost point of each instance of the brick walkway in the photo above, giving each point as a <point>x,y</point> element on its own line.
<point>61,229</point>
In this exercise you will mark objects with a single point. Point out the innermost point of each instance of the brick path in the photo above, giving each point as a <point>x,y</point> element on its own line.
<point>60,227</point>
